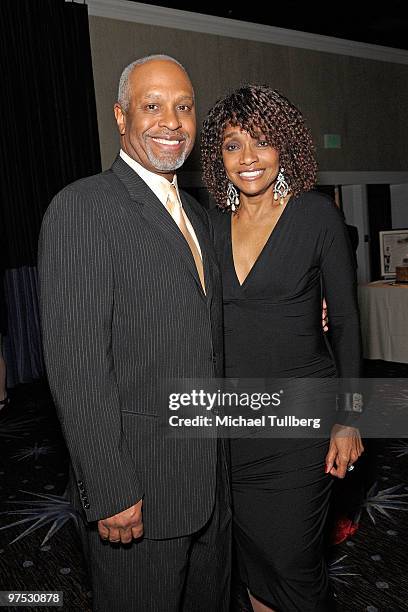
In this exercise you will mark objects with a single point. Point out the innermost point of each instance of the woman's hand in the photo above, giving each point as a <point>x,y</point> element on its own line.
<point>325,318</point>
<point>345,448</point>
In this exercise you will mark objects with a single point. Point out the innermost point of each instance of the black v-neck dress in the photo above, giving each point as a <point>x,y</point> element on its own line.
<point>273,328</point>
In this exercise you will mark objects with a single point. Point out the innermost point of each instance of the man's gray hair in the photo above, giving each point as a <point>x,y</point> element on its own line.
<point>123,91</point>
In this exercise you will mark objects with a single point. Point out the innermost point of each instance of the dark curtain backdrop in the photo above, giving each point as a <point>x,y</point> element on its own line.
<point>48,138</point>
<point>379,219</point>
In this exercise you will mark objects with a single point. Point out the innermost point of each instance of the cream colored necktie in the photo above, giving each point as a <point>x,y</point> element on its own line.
<point>174,207</point>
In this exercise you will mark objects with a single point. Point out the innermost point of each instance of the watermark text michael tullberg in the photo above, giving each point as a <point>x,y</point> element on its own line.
<point>217,402</point>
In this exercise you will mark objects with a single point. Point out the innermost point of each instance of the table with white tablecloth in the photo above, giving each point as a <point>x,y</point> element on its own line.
<point>384,320</point>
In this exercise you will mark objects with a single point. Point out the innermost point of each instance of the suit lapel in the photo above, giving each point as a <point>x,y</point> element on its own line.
<point>155,213</point>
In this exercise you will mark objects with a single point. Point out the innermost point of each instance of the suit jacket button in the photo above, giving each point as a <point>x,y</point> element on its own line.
<point>86,506</point>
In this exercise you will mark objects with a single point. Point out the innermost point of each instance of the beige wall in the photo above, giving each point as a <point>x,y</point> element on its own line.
<point>365,101</point>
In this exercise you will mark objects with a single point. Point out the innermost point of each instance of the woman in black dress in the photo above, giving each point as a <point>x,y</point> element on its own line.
<point>280,245</point>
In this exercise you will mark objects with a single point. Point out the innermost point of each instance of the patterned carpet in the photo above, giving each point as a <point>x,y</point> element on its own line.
<point>39,545</point>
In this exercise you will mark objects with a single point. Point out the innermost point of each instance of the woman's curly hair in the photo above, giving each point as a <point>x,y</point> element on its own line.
<point>255,109</point>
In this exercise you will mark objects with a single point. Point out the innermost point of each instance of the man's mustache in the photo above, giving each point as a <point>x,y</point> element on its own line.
<point>170,135</point>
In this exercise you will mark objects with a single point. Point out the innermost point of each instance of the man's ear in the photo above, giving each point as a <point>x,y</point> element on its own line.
<point>120,117</point>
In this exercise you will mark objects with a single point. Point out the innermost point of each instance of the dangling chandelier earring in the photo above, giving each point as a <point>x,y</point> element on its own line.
<point>232,197</point>
<point>281,189</point>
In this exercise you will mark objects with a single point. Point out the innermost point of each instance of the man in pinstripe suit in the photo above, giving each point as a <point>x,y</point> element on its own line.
<point>129,297</point>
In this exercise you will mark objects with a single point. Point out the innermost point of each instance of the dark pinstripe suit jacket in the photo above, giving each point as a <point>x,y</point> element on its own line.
<point>122,308</point>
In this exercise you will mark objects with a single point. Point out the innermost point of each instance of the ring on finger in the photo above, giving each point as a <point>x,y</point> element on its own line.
<point>351,467</point>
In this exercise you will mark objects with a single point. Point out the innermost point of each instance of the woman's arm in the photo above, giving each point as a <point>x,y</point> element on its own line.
<point>340,290</point>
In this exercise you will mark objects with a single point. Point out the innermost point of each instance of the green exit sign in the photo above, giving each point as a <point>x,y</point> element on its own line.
<point>332,141</point>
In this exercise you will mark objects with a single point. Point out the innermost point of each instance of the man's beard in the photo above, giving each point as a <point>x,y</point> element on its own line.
<point>167,163</point>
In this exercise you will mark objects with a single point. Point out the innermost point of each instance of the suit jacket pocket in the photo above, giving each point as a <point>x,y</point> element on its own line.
<point>139,413</point>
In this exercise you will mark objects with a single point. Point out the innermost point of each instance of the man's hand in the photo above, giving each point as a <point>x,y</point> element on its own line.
<point>325,318</point>
<point>123,527</point>
<point>345,448</point>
